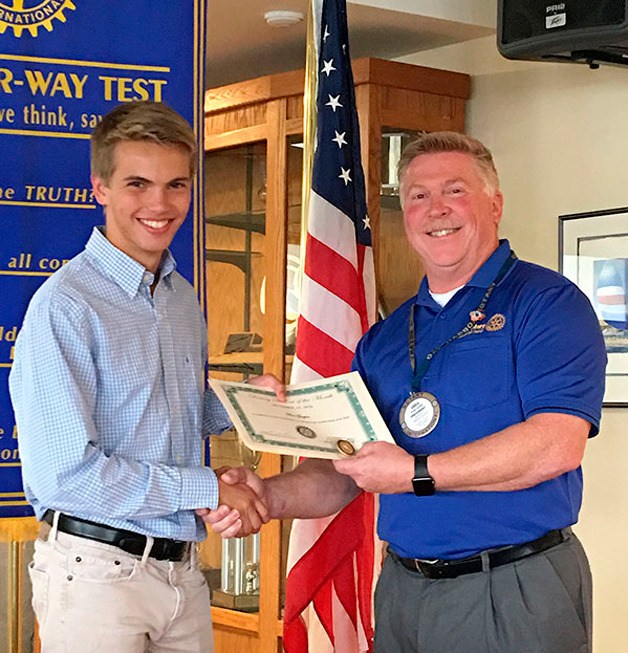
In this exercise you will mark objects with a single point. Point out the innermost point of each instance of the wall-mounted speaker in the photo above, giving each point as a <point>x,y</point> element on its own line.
<point>585,31</point>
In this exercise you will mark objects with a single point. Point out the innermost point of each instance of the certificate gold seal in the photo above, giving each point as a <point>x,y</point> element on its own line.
<point>345,447</point>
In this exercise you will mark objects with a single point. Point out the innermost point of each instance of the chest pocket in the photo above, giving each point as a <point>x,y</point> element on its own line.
<point>477,372</point>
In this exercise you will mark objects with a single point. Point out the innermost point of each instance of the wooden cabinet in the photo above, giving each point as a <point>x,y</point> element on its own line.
<point>253,172</point>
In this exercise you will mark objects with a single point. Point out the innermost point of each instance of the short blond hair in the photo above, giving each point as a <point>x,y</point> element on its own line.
<point>148,121</point>
<point>446,141</point>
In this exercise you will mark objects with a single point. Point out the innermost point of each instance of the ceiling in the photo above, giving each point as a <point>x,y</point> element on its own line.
<point>240,45</point>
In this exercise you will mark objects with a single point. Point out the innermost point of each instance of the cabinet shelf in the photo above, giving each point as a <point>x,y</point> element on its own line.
<point>246,221</point>
<point>235,257</point>
<point>244,362</point>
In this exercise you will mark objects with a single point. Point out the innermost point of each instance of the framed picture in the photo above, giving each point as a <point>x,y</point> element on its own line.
<point>593,253</point>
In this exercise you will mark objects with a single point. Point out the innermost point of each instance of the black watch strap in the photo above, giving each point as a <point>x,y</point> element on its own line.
<point>422,483</point>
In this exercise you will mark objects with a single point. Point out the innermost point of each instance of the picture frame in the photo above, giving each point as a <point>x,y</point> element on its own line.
<point>593,253</point>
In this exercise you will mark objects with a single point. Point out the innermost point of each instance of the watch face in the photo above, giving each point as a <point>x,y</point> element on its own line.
<point>423,487</point>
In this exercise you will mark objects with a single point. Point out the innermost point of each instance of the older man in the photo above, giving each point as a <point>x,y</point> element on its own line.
<point>490,380</point>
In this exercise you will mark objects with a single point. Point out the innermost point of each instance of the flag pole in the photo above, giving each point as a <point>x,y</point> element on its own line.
<point>309,128</point>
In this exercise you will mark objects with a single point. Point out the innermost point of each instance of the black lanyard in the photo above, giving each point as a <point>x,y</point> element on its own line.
<point>420,370</point>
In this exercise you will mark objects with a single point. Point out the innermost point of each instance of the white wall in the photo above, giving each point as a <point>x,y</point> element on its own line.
<point>559,136</point>
<point>474,12</point>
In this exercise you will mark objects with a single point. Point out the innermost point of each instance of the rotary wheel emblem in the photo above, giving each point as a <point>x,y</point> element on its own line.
<point>496,323</point>
<point>19,17</point>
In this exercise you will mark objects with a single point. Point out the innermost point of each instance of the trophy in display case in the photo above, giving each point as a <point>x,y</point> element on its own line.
<point>232,566</point>
<point>239,575</point>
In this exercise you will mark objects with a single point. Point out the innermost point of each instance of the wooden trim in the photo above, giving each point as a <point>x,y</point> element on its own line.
<point>275,241</point>
<point>368,101</point>
<point>246,621</point>
<point>421,121</point>
<point>294,126</point>
<point>236,137</point>
<point>275,249</point>
<point>252,91</point>
<point>270,628</point>
<point>365,71</point>
<point>411,77</point>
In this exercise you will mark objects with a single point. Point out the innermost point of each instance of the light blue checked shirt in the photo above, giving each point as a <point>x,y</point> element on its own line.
<point>108,386</point>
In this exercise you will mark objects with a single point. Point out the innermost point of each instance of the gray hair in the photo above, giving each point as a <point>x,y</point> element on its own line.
<point>447,141</point>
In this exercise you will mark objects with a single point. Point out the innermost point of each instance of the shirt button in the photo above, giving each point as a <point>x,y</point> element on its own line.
<point>179,459</point>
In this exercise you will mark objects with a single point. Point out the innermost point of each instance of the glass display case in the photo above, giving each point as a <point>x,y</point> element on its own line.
<point>253,177</point>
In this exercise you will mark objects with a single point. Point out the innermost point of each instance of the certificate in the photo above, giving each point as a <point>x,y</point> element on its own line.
<point>329,418</point>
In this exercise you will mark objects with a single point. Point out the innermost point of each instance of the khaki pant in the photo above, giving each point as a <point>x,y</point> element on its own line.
<point>90,597</point>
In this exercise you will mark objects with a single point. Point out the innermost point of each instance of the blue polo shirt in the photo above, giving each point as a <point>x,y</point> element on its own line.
<point>547,354</point>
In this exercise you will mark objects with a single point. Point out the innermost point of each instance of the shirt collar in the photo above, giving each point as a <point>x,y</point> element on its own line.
<point>481,279</point>
<point>121,268</point>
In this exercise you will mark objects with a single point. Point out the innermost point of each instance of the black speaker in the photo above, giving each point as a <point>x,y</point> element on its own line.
<point>584,31</point>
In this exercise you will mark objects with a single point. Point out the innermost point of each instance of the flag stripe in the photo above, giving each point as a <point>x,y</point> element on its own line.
<point>328,313</point>
<point>321,352</point>
<point>333,228</point>
<point>295,636</point>
<point>368,275</point>
<point>323,606</point>
<point>331,270</point>
<point>302,371</point>
<point>318,563</point>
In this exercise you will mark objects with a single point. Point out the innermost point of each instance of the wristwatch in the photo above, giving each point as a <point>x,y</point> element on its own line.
<point>422,483</point>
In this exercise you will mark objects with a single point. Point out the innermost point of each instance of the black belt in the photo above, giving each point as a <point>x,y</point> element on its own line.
<point>134,543</point>
<point>453,568</point>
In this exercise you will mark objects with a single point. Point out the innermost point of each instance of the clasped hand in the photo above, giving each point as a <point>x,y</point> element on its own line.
<point>242,504</point>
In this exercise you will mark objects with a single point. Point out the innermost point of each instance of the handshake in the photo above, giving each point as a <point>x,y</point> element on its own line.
<point>242,503</point>
<point>242,497</point>
<point>315,488</point>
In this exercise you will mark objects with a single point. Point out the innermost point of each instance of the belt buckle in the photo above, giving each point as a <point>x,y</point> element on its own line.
<point>132,545</point>
<point>165,549</point>
<point>160,549</point>
<point>177,550</point>
<point>419,563</point>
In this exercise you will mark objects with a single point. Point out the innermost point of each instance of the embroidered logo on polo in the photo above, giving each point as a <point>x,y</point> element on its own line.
<point>495,323</point>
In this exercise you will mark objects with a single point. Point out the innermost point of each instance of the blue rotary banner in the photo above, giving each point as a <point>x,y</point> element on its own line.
<point>63,64</point>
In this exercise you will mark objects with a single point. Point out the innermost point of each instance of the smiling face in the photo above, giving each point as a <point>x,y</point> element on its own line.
<point>146,198</point>
<point>450,216</point>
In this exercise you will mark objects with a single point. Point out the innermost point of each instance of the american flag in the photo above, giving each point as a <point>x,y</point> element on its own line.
<point>331,560</point>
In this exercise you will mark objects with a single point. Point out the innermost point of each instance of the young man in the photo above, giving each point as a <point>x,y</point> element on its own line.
<point>491,380</point>
<point>111,403</point>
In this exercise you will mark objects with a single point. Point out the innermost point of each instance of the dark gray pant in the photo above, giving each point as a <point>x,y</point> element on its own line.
<point>541,604</point>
